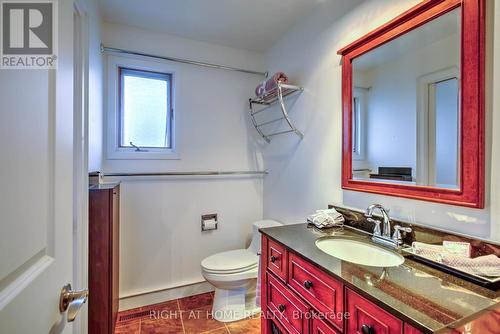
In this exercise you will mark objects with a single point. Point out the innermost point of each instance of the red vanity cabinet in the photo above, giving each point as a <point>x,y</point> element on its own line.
<point>300,298</point>
<point>411,330</point>
<point>366,317</point>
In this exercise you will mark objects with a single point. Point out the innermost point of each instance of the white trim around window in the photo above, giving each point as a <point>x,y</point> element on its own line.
<point>425,128</point>
<point>112,131</point>
<point>359,112</point>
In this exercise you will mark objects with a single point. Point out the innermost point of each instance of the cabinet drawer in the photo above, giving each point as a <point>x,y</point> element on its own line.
<point>289,310</point>
<point>276,259</point>
<point>321,327</point>
<point>363,313</point>
<point>322,291</point>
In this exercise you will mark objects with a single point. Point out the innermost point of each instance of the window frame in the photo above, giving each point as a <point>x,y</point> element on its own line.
<point>423,175</point>
<point>360,95</point>
<point>169,115</point>
<point>114,150</point>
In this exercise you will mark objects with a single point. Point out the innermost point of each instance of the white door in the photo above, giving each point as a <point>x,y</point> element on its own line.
<point>36,148</point>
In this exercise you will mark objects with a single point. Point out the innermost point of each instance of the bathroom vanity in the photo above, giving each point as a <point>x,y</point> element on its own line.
<point>305,290</point>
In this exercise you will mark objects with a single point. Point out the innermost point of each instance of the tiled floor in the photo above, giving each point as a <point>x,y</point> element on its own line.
<point>190,315</point>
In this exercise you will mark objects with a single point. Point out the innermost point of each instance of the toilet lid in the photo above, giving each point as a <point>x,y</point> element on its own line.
<point>231,261</point>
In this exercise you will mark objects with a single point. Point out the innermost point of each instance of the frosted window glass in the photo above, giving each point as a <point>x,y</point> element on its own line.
<point>447,133</point>
<point>145,111</point>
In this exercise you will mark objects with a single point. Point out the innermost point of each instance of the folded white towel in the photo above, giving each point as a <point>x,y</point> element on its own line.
<point>326,218</point>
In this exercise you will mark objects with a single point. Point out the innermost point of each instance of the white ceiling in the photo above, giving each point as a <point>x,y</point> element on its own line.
<point>247,24</point>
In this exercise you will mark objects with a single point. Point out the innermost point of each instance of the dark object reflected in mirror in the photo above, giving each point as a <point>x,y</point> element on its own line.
<point>405,86</point>
<point>393,173</point>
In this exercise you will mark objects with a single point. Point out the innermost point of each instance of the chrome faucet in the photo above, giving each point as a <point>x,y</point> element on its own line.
<point>385,219</point>
<point>384,237</point>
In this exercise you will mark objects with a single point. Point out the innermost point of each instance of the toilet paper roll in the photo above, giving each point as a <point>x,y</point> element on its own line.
<point>210,224</point>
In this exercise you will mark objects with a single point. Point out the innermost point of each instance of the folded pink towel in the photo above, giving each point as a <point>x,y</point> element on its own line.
<point>488,265</point>
<point>270,83</point>
<point>429,251</point>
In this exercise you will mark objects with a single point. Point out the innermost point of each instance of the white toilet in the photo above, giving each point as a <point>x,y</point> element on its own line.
<point>234,275</point>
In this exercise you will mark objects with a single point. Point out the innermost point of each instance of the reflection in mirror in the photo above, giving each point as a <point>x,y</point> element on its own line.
<point>406,107</point>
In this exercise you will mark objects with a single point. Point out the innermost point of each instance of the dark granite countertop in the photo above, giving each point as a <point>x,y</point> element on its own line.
<point>428,299</point>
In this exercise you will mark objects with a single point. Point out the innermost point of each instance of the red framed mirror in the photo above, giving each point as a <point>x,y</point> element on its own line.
<point>413,105</point>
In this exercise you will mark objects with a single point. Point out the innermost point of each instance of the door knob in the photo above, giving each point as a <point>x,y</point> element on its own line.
<point>72,301</point>
<point>273,259</point>
<point>281,307</point>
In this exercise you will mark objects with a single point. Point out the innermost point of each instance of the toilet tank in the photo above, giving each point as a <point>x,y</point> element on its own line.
<point>256,237</point>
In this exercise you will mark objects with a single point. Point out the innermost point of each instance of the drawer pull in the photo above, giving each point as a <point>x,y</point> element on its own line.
<point>308,284</point>
<point>273,259</point>
<point>281,307</point>
<point>365,329</point>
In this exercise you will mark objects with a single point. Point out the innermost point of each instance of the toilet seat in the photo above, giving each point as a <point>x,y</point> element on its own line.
<point>230,262</point>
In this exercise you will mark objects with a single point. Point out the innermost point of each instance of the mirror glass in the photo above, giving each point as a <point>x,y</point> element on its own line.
<point>406,107</point>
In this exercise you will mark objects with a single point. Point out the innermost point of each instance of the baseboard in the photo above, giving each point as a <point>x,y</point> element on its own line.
<point>159,296</point>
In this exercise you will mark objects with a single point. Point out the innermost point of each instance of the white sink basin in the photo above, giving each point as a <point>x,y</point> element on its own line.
<point>359,252</point>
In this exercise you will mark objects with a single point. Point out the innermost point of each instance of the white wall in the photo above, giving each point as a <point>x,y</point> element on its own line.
<point>307,175</point>
<point>161,243</point>
<point>95,93</point>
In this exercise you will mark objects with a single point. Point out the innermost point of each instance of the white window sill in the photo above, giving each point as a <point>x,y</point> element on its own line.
<point>151,154</point>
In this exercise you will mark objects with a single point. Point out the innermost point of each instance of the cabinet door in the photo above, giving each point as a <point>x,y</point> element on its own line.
<point>287,308</point>
<point>103,259</point>
<point>100,268</point>
<point>321,327</point>
<point>115,255</point>
<point>367,318</point>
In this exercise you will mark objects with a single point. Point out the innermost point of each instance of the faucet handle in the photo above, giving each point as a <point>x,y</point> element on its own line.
<point>401,228</point>
<point>376,229</point>
<point>397,237</point>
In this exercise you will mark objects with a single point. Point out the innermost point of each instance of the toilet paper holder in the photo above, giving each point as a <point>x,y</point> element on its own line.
<point>209,222</point>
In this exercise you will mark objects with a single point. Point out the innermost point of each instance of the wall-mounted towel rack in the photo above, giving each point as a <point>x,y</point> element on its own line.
<point>98,176</point>
<point>269,99</point>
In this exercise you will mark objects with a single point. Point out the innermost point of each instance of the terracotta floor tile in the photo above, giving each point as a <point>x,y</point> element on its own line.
<point>200,320</point>
<point>165,311</point>
<point>195,318</point>
<point>222,330</point>
<point>131,327</point>
<point>246,326</point>
<point>162,326</point>
<point>197,301</point>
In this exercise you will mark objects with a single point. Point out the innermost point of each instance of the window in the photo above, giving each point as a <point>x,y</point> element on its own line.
<point>356,113</point>
<point>145,110</point>
<point>140,99</point>
<point>358,122</point>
